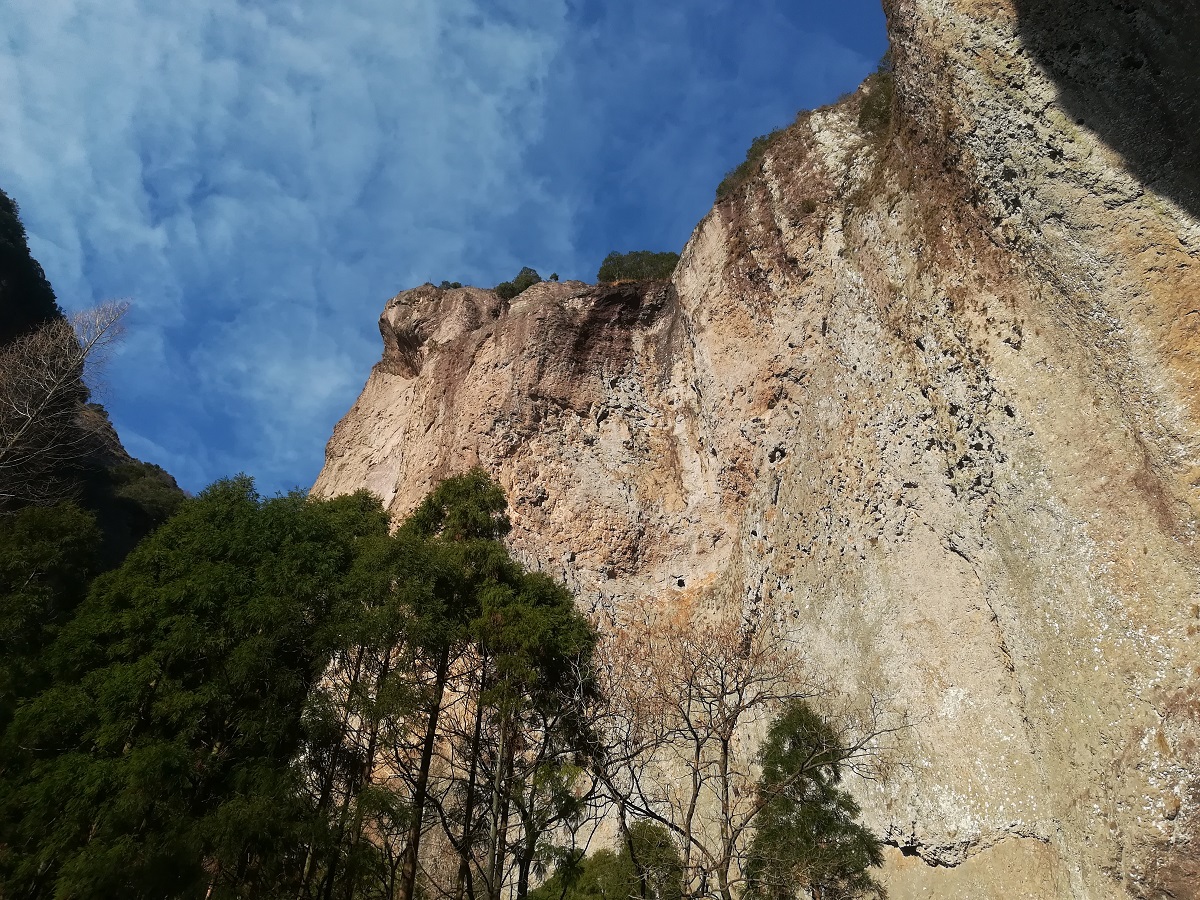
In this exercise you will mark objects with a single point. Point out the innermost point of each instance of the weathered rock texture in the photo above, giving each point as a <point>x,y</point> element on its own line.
<point>930,386</point>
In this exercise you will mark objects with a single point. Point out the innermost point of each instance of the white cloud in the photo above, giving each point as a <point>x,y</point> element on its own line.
<point>259,177</point>
<point>228,167</point>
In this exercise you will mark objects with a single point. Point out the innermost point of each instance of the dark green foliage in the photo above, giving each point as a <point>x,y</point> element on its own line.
<point>447,285</point>
<point>735,178</point>
<point>527,648</point>
<point>526,278</point>
<point>875,112</point>
<point>647,867</point>
<point>213,721</point>
<point>638,265</point>
<point>26,298</point>
<point>160,764</point>
<point>129,499</point>
<point>470,507</point>
<point>48,556</point>
<point>808,836</point>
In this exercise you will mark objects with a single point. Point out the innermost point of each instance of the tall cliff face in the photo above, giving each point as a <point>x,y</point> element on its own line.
<point>931,388</point>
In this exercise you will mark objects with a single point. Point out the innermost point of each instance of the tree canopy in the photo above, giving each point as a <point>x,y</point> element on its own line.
<point>808,834</point>
<point>637,265</point>
<point>160,762</point>
<point>27,301</point>
<point>525,279</point>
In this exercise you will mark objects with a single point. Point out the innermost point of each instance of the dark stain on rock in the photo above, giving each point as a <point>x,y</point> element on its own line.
<point>1128,70</point>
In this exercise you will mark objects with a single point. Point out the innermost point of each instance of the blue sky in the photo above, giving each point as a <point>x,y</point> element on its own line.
<point>257,178</point>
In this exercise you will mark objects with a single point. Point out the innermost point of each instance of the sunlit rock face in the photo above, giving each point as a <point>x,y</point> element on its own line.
<point>929,388</point>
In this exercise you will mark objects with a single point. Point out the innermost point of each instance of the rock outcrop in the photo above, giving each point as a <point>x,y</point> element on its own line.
<point>929,383</point>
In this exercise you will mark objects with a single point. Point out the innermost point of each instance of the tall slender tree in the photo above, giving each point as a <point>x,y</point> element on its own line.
<point>461,521</point>
<point>808,835</point>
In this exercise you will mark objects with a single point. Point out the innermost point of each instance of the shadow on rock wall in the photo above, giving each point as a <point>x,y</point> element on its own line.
<point>1129,70</point>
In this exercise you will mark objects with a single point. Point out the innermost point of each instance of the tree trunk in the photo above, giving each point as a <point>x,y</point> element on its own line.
<point>408,867</point>
<point>495,861</point>
<point>368,769</point>
<point>465,881</point>
<point>330,780</point>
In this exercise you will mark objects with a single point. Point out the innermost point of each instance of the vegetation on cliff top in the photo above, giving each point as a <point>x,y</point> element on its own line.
<point>55,446</point>
<point>637,265</point>
<point>27,301</point>
<point>525,279</point>
<point>738,176</point>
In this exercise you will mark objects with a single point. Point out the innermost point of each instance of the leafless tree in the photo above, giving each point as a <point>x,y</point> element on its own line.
<point>688,696</point>
<point>44,434</point>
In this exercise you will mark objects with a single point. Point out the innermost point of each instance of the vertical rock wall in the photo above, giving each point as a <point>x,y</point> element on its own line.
<point>926,387</point>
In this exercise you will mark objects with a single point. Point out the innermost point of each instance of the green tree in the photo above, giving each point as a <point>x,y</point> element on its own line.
<point>461,523</point>
<point>26,299</point>
<point>647,867</point>
<point>48,556</point>
<point>526,278</point>
<point>808,835</point>
<point>509,652</point>
<point>540,650</point>
<point>162,762</point>
<point>637,265</point>
<point>360,709</point>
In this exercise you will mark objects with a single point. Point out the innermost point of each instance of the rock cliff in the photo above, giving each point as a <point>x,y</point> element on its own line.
<point>928,381</point>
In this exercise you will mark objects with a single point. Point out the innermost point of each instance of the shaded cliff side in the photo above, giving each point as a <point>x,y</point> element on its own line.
<point>928,382</point>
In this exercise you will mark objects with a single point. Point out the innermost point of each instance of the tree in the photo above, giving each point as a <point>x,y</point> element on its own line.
<point>362,706</point>
<point>807,835</point>
<point>163,760</point>
<point>638,265</point>
<point>540,650</point>
<point>506,659</point>
<point>526,278</point>
<point>44,435</point>
<point>462,521</point>
<point>684,694</point>
<point>48,556</point>
<point>647,867</point>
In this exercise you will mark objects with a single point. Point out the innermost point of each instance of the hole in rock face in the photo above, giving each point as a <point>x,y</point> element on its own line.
<point>908,851</point>
<point>679,583</point>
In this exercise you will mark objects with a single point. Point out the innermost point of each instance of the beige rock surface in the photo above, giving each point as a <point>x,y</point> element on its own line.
<point>932,390</point>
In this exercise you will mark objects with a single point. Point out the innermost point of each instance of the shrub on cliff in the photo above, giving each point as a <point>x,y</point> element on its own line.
<point>638,265</point>
<point>735,178</point>
<point>526,278</point>
<point>875,112</point>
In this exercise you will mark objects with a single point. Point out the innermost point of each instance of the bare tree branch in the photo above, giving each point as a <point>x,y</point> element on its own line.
<point>43,432</point>
<point>687,698</point>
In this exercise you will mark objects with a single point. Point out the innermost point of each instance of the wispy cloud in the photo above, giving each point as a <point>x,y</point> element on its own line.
<point>259,177</point>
